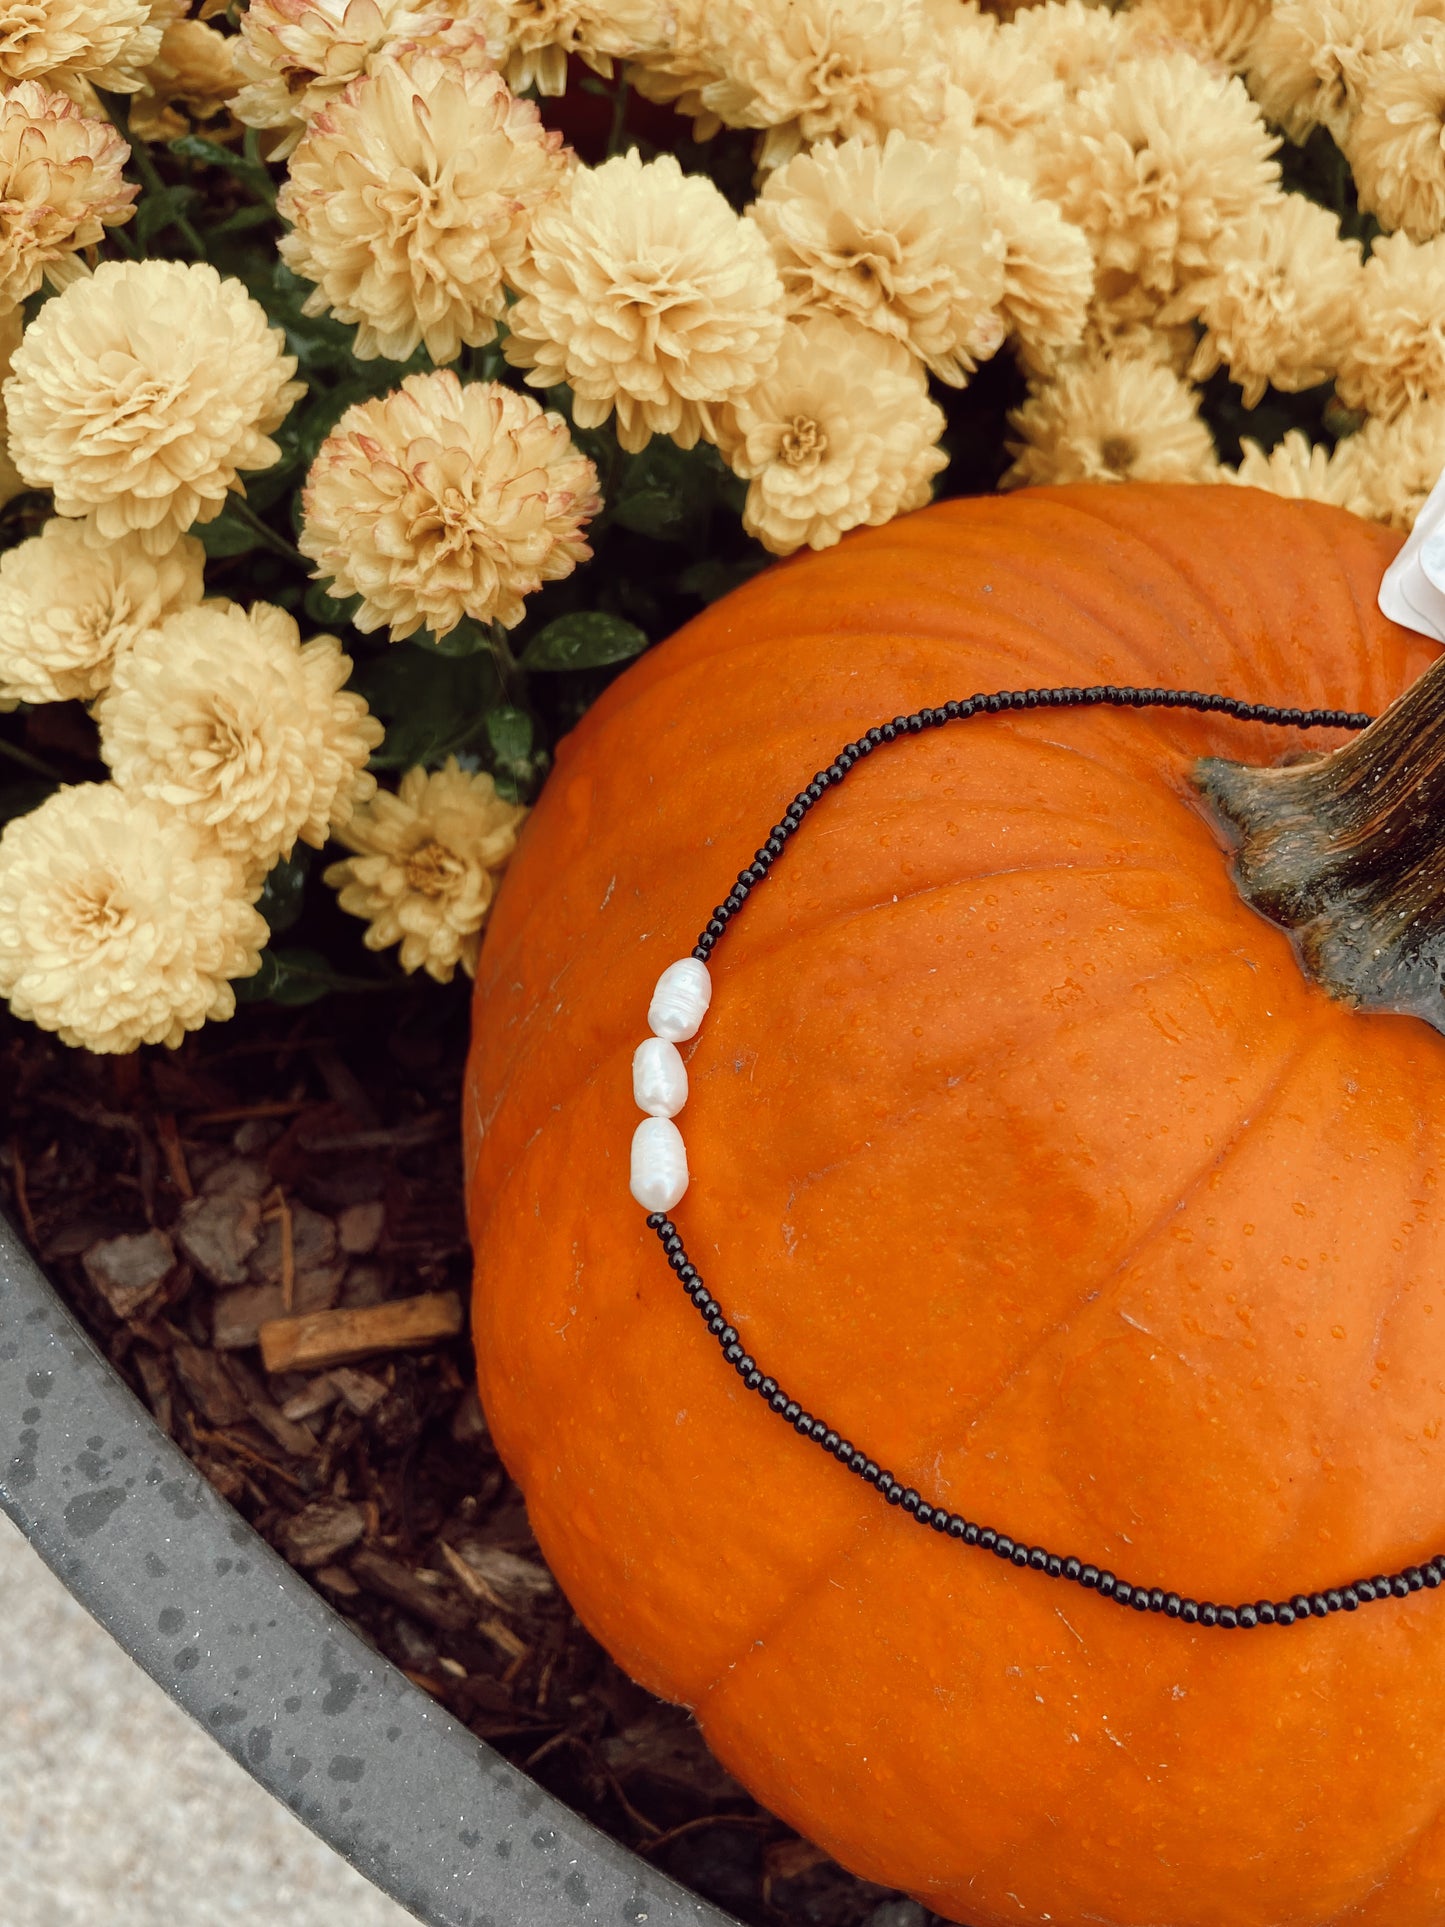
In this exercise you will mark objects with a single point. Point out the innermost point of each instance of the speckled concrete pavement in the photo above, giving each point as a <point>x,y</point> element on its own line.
<point>117,1811</point>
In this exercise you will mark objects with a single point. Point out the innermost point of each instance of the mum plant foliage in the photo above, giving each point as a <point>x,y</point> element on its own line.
<point>382,376</point>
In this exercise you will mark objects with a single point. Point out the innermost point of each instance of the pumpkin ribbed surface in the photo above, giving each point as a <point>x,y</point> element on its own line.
<point>1023,1153</point>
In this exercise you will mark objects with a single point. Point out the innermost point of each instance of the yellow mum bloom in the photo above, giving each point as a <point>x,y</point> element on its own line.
<point>840,433</point>
<point>61,186</point>
<point>541,33</point>
<point>139,393</point>
<point>194,71</point>
<point>411,198</point>
<point>1048,264</point>
<point>1280,307</point>
<point>1395,143</point>
<point>1395,354</point>
<point>223,715</point>
<point>1304,471</point>
<point>1006,76</point>
<point>1313,58</point>
<point>1078,41</point>
<point>425,866</point>
<point>1157,164</point>
<point>894,236</point>
<point>648,296</point>
<point>69,607</point>
<point>441,501</point>
<point>75,44</point>
<point>12,326</point>
<point>812,70</point>
<point>675,71</point>
<point>1397,463</point>
<point>296,55</point>
<point>120,923</point>
<point>1110,418</point>
<point>1220,31</point>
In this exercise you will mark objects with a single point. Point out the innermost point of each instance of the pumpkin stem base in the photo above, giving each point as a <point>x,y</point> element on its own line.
<point>1345,852</point>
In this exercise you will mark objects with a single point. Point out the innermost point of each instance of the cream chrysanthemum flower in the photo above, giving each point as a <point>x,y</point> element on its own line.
<point>674,72</point>
<point>542,33</point>
<point>296,55</point>
<point>1396,351</point>
<point>137,395</point>
<point>1397,463</point>
<point>1048,264</point>
<point>841,432</point>
<point>425,866</point>
<point>1312,58</point>
<point>1304,471</point>
<point>70,44</point>
<point>193,78</point>
<point>1280,307</point>
<point>120,924</point>
<point>1222,32</point>
<point>411,198</point>
<point>1078,41</point>
<point>1156,164</point>
<point>1008,80</point>
<point>223,715</point>
<point>648,296</point>
<point>441,501</point>
<point>69,608</point>
<point>894,236</point>
<point>1110,418</point>
<point>61,186</point>
<point>811,70</point>
<point>1395,144</point>
<point>12,326</point>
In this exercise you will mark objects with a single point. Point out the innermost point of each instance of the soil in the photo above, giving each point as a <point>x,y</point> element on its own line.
<point>289,1163</point>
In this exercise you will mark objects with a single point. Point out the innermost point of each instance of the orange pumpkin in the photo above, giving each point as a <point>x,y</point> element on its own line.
<point>1022,1149</point>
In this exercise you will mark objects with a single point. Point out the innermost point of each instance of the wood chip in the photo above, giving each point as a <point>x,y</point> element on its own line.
<point>338,1580</point>
<point>314,1341</point>
<point>358,1391</point>
<point>126,1270</point>
<point>314,1535</point>
<point>290,1436</point>
<point>311,1399</point>
<point>240,1315</point>
<point>420,1594</point>
<point>174,1154</point>
<point>208,1384</point>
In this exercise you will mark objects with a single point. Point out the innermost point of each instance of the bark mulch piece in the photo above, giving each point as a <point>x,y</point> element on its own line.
<point>285,1192</point>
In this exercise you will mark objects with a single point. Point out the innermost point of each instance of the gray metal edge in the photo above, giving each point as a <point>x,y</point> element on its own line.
<point>435,1818</point>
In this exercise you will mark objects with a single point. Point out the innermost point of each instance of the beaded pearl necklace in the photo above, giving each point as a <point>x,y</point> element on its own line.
<point>659,1174</point>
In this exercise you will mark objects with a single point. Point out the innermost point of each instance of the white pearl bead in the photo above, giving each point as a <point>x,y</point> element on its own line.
<point>659,1077</point>
<point>680,1001</point>
<point>659,1164</point>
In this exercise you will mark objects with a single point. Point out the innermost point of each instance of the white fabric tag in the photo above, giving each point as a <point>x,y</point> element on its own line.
<point>1413,589</point>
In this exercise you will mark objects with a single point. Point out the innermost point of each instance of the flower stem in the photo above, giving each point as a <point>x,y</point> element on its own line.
<point>34,764</point>
<point>119,116</point>
<point>618,130</point>
<point>265,534</point>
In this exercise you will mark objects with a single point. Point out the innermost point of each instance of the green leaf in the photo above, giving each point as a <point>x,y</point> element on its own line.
<point>713,577</point>
<point>195,147</point>
<point>586,640</point>
<point>243,218</point>
<point>227,535</point>
<point>156,212</point>
<point>326,609</point>
<point>667,492</point>
<point>510,731</point>
<point>18,799</point>
<point>433,706</point>
<point>284,892</point>
<point>469,638</point>
<point>293,978</point>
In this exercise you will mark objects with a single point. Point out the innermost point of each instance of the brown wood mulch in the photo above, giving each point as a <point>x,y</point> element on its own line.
<point>264,1232</point>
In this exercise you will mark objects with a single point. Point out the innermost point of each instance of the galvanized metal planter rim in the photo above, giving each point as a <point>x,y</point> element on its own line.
<point>432,1816</point>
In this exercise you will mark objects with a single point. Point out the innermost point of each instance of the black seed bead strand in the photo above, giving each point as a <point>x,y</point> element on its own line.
<point>1115,695</point>
<point>953,1525</point>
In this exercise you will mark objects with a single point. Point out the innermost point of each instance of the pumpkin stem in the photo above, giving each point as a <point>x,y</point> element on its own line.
<point>1345,852</point>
